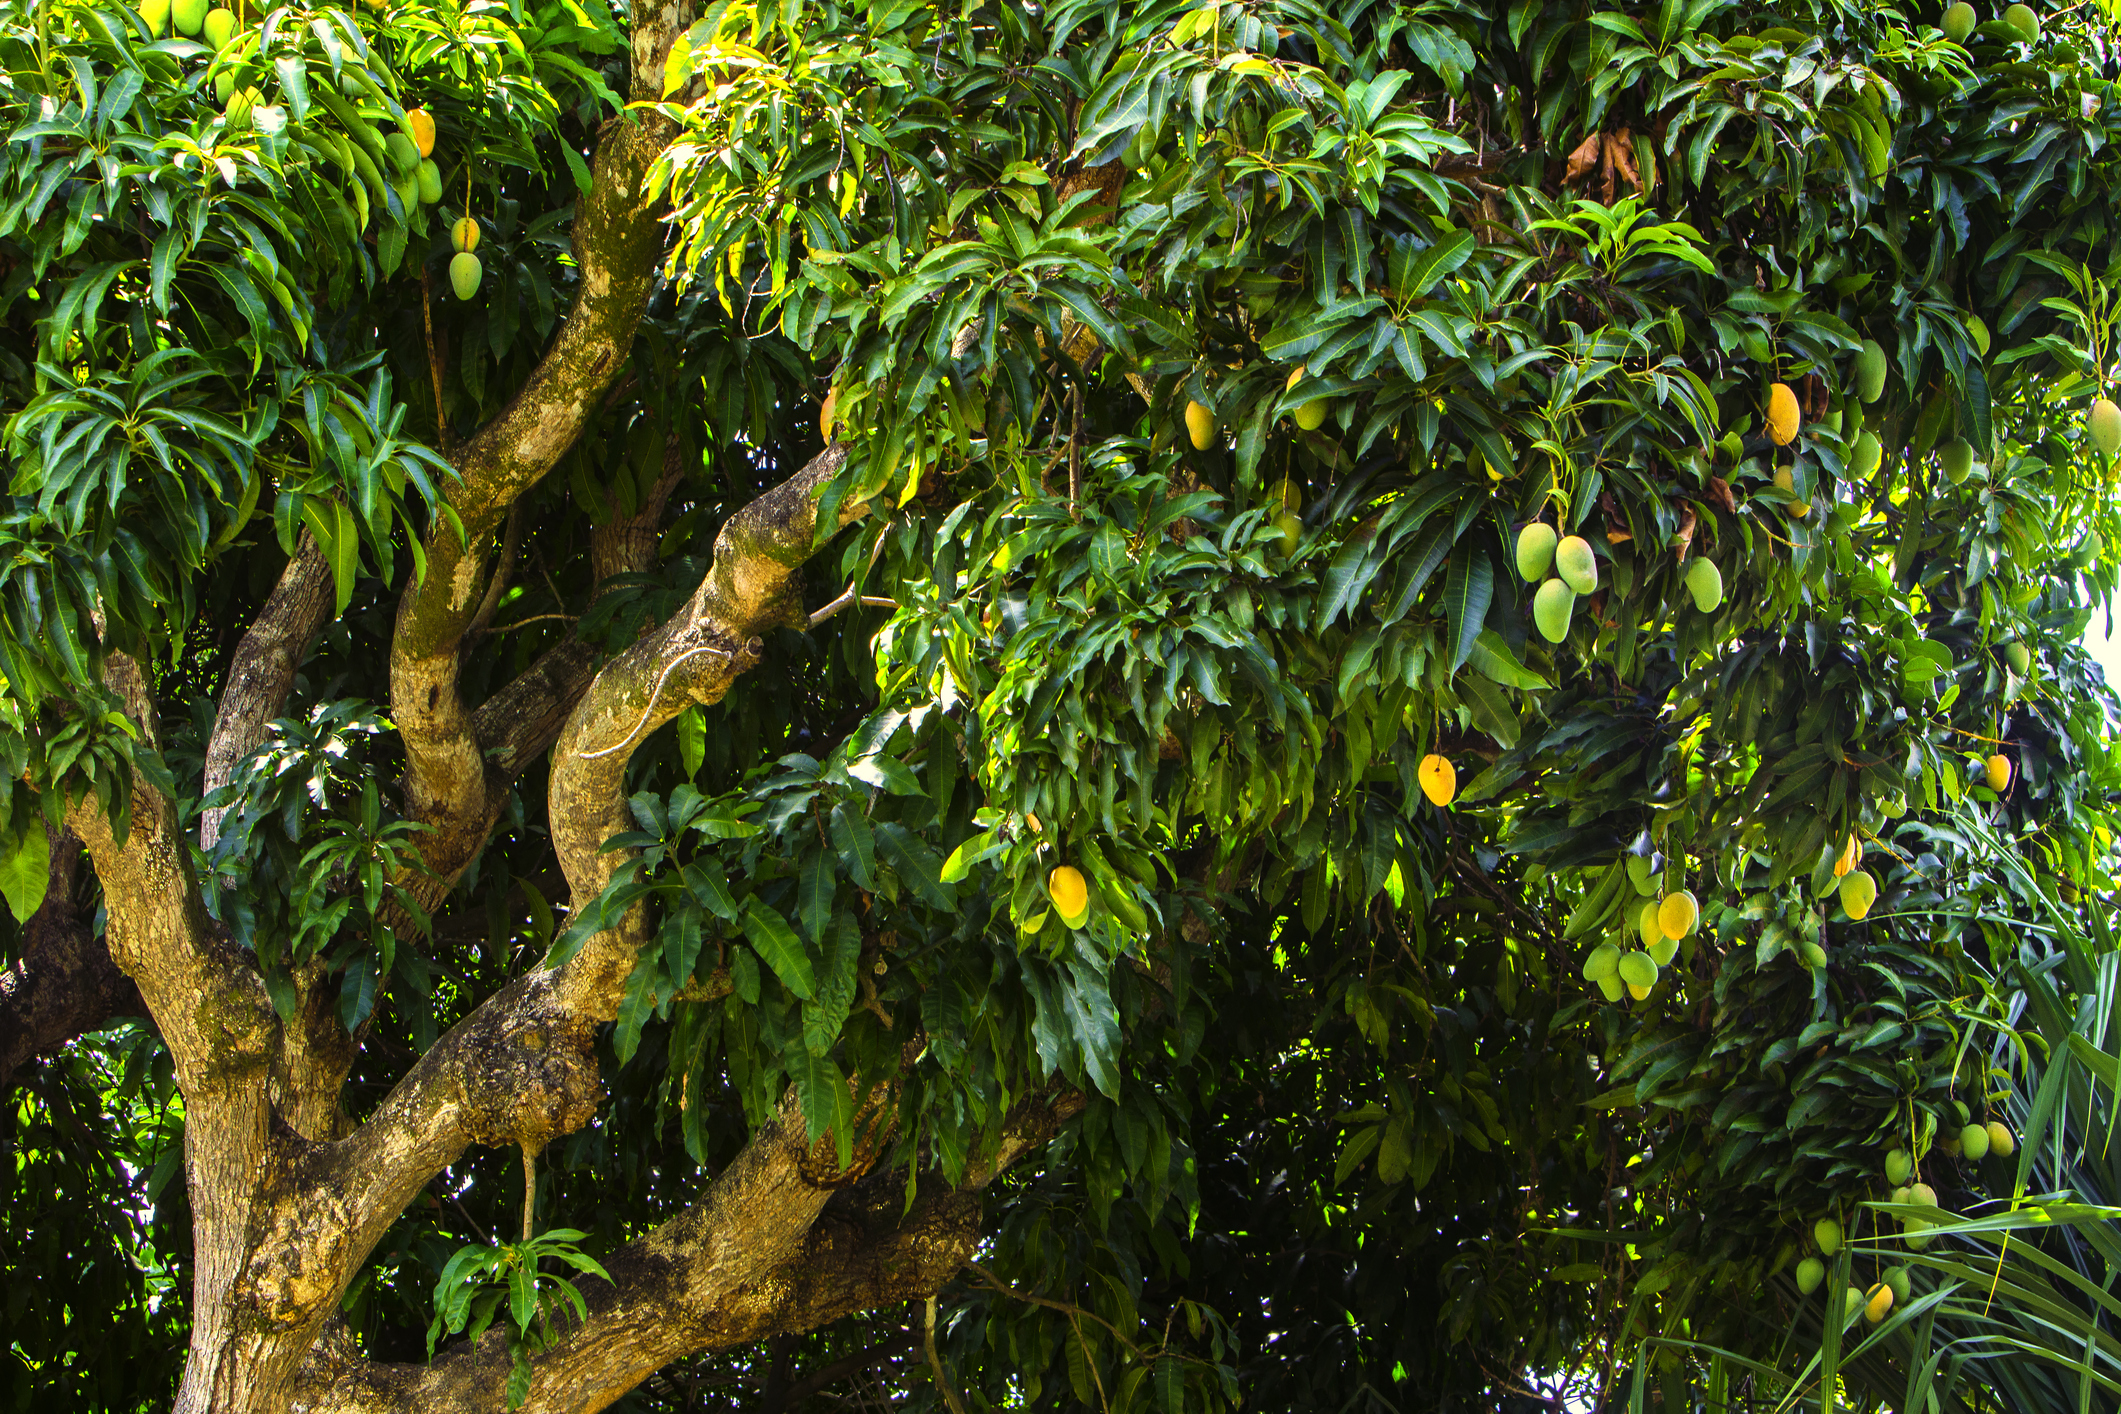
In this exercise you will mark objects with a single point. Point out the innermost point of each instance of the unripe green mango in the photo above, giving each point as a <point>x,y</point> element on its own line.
<point>1899,1167</point>
<point>1551,608</point>
<point>1705,582</point>
<point>1810,1272</point>
<point>1535,551</point>
<point>218,27</point>
<point>1959,22</point>
<point>465,271</point>
<point>190,16</point>
<point>1858,892</point>
<point>1864,456</point>
<point>403,155</point>
<point>1312,415</point>
<point>1957,459</point>
<point>2105,423</point>
<point>1870,371</point>
<point>2022,19</point>
<point>1576,564</point>
<point>1973,1142</point>
<point>430,182</point>
<point>1827,1233</point>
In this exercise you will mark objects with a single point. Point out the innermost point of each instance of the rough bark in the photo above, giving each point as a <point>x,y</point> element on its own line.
<point>782,1242</point>
<point>64,982</point>
<point>616,239</point>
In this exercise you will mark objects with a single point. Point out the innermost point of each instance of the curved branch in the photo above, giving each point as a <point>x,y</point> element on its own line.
<point>617,238</point>
<point>64,983</point>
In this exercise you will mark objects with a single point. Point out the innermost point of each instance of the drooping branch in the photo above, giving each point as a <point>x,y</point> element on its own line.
<point>64,983</point>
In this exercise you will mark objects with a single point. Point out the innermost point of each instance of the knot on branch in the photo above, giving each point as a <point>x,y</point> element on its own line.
<point>529,1087</point>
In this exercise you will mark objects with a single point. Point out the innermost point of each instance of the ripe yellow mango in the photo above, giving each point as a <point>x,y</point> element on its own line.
<point>1781,414</point>
<point>1071,895</point>
<point>2001,1141</point>
<point>1438,777</point>
<point>2105,423</point>
<point>1312,415</point>
<point>1997,770</point>
<point>1200,425</point>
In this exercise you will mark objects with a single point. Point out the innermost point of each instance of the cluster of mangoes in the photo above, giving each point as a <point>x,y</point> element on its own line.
<point>465,269</point>
<point>1540,548</point>
<point>1662,922</point>
<point>1974,1141</point>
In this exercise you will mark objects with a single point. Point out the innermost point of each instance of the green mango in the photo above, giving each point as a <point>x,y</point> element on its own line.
<point>1535,551</point>
<point>1551,608</point>
<point>465,272</point>
<point>190,16</point>
<point>1870,371</point>
<point>1576,565</point>
<point>1959,22</point>
<point>1705,582</point>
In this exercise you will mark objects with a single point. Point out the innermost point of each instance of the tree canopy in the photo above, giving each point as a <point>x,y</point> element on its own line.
<point>1114,704</point>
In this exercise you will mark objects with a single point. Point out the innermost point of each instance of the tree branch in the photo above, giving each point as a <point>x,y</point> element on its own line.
<point>617,236</point>
<point>65,982</point>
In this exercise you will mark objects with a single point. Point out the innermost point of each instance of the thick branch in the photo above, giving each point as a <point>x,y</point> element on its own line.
<point>65,982</point>
<point>750,587</point>
<point>617,237</point>
<point>768,1250</point>
<point>204,994</point>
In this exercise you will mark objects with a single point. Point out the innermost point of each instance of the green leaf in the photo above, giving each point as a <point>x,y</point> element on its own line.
<point>781,950</point>
<point>1469,586</point>
<point>25,870</point>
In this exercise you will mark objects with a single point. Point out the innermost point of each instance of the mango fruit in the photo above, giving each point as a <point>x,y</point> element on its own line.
<point>1438,777</point>
<point>2022,19</point>
<point>155,15</point>
<point>1663,951</point>
<point>1071,895</point>
<point>1604,961</point>
<point>1858,892</point>
<point>1864,456</point>
<point>1973,1142</point>
<point>430,178</point>
<point>1200,426</point>
<point>218,27</point>
<point>1785,480</point>
<point>1810,1272</point>
<point>1959,22</point>
<point>1705,582</point>
<point>1827,1233</point>
<point>1877,1302</point>
<point>1899,1167</point>
<point>419,125</point>
<point>1957,459</point>
<point>237,109</point>
<point>404,157</point>
<point>1811,955</point>
<point>1637,970</point>
<point>827,412</point>
<point>1977,330</point>
<point>1870,371</point>
<point>1551,608</point>
<point>190,16</point>
<point>1781,414</point>
<point>1291,531</point>
<point>1997,771</point>
<point>1902,1283</point>
<point>1312,415</point>
<point>1640,992</point>
<point>2019,657</point>
<point>1678,914</point>
<point>2001,1142</point>
<point>1851,855</point>
<point>1576,565</point>
<point>2105,424</point>
<point>464,233</point>
<point>1612,988</point>
<point>1535,551</point>
<point>465,272</point>
<point>1649,924</point>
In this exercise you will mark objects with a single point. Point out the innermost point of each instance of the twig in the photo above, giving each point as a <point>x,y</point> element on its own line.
<point>868,601</point>
<point>935,1363</point>
<point>537,619</point>
<point>434,362</point>
<point>1075,457</point>
<point>530,1190</point>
